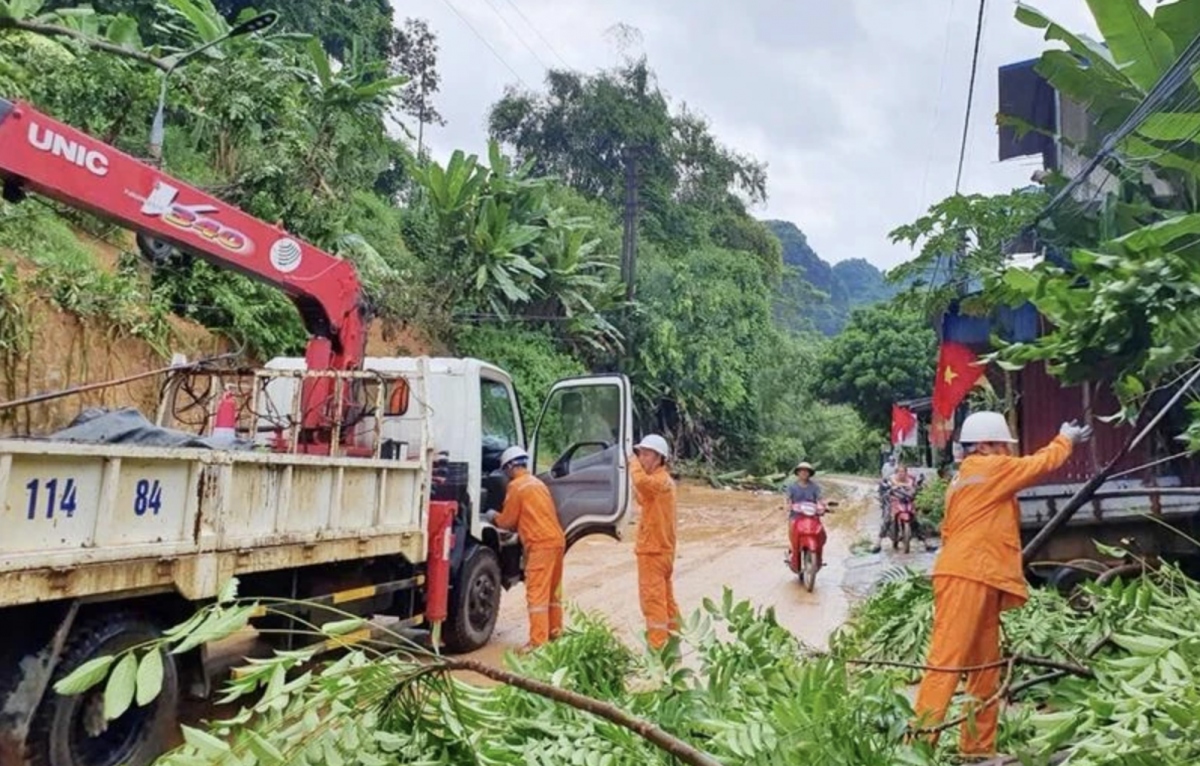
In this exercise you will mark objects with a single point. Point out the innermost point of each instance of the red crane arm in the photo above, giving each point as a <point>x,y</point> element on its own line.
<point>40,154</point>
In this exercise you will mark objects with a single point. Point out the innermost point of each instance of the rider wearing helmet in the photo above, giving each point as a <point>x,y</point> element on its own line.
<point>979,573</point>
<point>655,549</point>
<point>899,484</point>
<point>529,509</point>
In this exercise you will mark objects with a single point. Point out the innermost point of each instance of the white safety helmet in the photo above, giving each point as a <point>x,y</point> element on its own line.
<point>513,454</point>
<point>980,427</point>
<point>655,443</point>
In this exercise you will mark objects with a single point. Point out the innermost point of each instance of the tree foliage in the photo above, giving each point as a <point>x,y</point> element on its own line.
<point>292,127</point>
<point>886,354</point>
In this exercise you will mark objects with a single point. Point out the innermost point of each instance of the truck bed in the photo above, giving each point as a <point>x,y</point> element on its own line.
<point>81,520</point>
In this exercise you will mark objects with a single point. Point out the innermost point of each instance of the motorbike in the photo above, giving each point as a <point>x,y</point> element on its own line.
<point>903,510</point>
<point>808,539</point>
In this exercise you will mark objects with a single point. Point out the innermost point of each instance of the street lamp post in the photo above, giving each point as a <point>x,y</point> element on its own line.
<point>256,24</point>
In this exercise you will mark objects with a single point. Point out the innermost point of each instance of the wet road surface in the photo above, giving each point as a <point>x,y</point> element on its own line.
<point>726,538</point>
<point>732,538</point>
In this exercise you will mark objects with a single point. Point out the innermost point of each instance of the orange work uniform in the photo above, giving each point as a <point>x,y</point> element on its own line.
<point>655,551</point>
<point>529,509</point>
<point>977,576</point>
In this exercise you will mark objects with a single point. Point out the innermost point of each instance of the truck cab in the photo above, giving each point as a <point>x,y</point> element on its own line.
<point>579,442</point>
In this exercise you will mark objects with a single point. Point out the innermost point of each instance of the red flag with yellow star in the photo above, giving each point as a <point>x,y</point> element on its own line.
<point>958,370</point>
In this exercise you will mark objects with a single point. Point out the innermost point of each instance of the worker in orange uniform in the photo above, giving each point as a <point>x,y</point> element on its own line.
<point>655,547</point>
<point>979,574</point>
<point>529,509</point>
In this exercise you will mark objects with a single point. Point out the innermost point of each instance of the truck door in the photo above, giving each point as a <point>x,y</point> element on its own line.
<point>580,449</point>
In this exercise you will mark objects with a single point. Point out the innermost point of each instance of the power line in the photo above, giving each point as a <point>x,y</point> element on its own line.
<point>483,40</point>
<point>962,152</point>
<point>519,37</point>
<point>533,26</point>
<point>937,104</point>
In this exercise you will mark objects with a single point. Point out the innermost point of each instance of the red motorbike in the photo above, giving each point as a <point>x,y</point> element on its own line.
<point>808,538</point>
<point>904,513</point>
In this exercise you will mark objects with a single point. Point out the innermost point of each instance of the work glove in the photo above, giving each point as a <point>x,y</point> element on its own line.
<point>1075,432</point>
<point>490,516</point>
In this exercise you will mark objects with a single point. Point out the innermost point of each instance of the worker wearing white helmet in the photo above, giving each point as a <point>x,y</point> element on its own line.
<point>979,572</point>
<point>529,509</point>
<point>655,547</point>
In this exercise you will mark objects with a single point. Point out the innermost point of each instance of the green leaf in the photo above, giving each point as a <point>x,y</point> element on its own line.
<point>342,627</point>
<point>207,27</point>
<point>149,676</point>
<point>118,694</point>
<point>1171,126</point>
<point>123,30</point>
<point>85,676</point>
<point>1110,551</point>
<point>266,752</point>
<point>1159,235</point>
<point>228,592</point>
<point>205,743</point>
<point>1143,644</point>
<point>320,62</point>
<point>219,624</point>
<point>1141,49</point>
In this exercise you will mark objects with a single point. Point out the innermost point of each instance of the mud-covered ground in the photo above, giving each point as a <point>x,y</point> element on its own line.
<point>726,538</point>
<point>732,538</point>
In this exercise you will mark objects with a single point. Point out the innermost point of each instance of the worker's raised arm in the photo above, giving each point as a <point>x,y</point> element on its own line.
<point>659,481</point>
<point>1018,473</point>
<point>511,513</point>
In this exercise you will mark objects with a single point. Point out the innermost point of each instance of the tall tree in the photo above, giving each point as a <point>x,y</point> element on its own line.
<point>415,56</point>
<point>885,354</point>
<point>580,127</point>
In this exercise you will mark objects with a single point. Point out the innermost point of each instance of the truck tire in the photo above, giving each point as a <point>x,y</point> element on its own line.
<point>474,602</point>
<point>59,733</point>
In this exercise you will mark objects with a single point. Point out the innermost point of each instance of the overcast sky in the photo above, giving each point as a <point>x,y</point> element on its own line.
<point>856,105</point>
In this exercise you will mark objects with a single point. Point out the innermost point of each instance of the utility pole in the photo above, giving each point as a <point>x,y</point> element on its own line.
<point>629,155</point>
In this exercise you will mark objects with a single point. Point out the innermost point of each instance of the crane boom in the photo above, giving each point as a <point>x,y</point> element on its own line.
<point>43,155</point>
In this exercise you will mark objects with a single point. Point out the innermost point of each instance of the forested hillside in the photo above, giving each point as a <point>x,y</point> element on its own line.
<point>821,296</point>
<point>508,252</point>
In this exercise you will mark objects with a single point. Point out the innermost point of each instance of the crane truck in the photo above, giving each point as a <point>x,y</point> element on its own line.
<point>326,494</point>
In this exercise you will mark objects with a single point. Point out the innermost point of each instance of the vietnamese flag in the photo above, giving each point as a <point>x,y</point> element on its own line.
<point>958,370</point>
<point>904,425</point>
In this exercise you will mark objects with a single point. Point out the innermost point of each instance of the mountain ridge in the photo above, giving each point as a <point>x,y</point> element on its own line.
<point>833,290</point>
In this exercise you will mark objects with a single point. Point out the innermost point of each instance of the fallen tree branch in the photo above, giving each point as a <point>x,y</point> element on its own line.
<point>999,694</point>
<point>1067,668</point>
<point>668,743</point>
<point>54,30</point>
<point>1054,675</point>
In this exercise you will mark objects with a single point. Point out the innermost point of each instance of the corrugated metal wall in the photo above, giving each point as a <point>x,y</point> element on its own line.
<point>1045,404</point>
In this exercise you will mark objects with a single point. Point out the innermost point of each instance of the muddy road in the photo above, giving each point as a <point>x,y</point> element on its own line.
<point>726,538</point>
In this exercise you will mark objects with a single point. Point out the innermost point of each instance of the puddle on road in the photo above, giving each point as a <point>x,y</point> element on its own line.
<point>726,537</point>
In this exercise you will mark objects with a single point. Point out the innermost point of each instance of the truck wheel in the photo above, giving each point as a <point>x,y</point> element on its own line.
<point>474,602</point>
<point>70,730</point>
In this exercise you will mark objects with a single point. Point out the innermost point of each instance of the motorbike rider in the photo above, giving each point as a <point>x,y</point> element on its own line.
<point>804,490</point>
<point>902,485</point>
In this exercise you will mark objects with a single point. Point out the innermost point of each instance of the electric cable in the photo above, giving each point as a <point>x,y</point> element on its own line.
<point>538,32</point>
<point>486,44</point>
<point>962,152</point>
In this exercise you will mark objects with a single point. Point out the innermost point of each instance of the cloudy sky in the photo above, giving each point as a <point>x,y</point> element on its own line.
<point>856,105</point>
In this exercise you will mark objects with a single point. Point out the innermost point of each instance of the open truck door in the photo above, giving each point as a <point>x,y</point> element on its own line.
<point>580,449</point>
